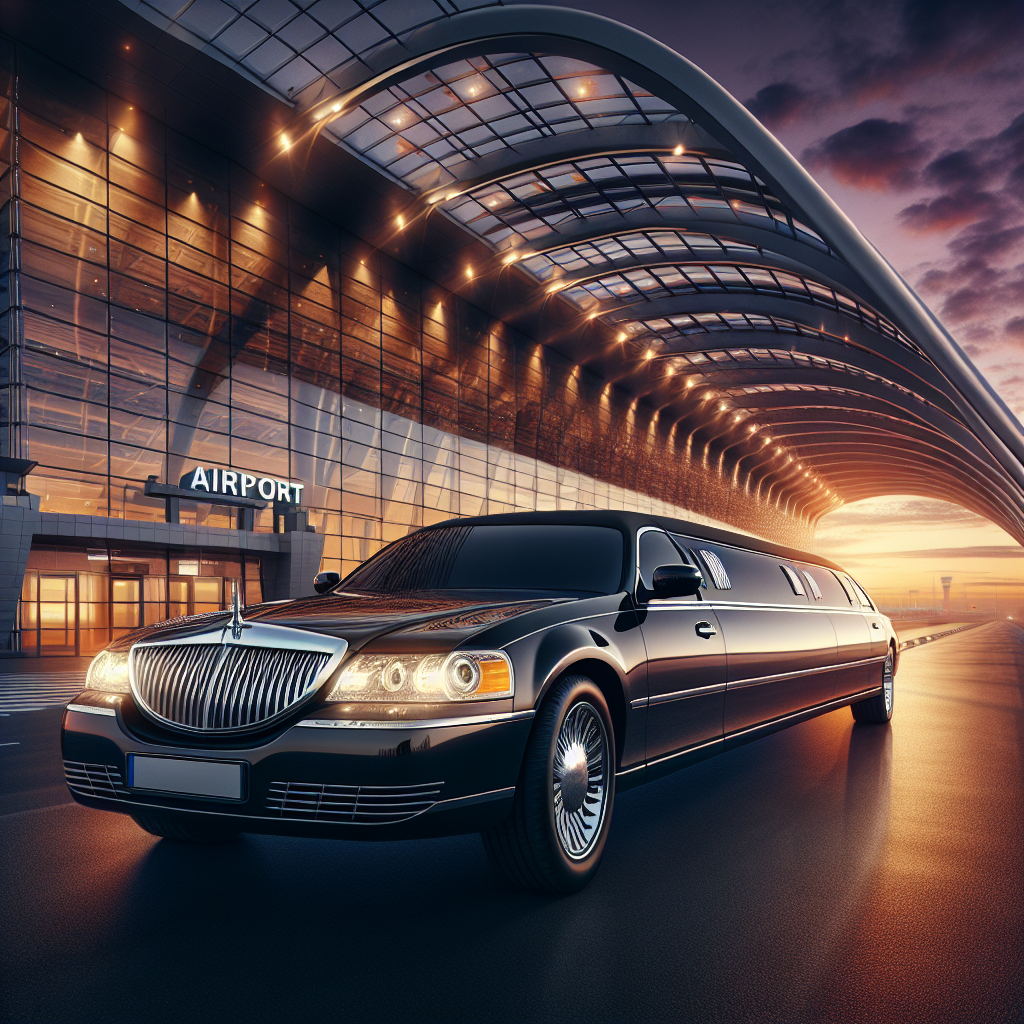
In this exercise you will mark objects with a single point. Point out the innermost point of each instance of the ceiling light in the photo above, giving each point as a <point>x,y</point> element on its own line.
<point>285,142</point>
<point>678,151</point>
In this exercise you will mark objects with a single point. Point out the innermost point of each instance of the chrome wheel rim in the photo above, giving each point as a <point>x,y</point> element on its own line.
<point>887,683</point>
<point>580,780</point>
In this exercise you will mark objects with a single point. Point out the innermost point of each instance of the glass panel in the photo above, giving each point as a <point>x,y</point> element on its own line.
<point>207,592</point>
<point>57,616</point>
<point>125,606</point>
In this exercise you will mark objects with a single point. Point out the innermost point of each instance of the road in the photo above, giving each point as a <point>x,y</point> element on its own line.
<point>824,873</point>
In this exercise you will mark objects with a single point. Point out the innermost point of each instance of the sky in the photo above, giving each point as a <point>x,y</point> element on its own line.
<point>910,115</point>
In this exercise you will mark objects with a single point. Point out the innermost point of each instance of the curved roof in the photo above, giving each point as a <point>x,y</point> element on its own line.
<point>609,173</point>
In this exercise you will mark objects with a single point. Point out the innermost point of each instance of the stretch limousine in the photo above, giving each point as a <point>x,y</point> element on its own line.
<point>504,674</point>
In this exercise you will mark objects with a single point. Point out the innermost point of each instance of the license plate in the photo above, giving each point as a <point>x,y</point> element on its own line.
<point>189,777</point>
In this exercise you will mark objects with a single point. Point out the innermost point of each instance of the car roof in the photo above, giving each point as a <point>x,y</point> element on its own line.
<point>630,522</point>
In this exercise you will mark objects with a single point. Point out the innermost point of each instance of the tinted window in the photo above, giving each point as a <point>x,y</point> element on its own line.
<point>528,557</point>
<point>848,590</point>
<point>832,593</point>
<point>754,577</point>
<point>656,549</point>
<point>864,599</point>
<point>813,584</point>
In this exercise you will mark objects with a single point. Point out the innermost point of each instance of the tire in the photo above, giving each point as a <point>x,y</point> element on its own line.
<point>554,838</point>
<point>182,831</point>
<point>877,710</point>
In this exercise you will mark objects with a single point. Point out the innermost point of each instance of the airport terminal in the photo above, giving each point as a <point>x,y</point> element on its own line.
<point>412,263</point>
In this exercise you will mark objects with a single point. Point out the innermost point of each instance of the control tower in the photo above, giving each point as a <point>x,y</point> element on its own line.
<point>947,586</point>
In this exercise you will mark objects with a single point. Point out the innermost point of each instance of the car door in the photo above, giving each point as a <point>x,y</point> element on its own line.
<point>779,645</point>
<point>853,643</point>
<point>879,644</point>
<point>685,656</point>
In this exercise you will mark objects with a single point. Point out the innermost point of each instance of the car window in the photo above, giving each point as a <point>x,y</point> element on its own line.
<point>864,599</point>
<point>656,549</point>
<point>847,584</point>
<point>753,576</point>
<point>832,594</point>
<point>813,584</point>
<point>560,557</point>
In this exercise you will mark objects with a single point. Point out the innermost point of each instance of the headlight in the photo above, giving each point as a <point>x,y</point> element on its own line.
<point>109,672</point>
<point>420,678</point>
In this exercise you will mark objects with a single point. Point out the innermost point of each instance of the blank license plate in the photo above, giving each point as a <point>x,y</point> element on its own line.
<point>192,778</point>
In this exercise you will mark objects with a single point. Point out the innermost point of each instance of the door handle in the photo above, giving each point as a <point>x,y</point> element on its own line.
<point>705,630</point>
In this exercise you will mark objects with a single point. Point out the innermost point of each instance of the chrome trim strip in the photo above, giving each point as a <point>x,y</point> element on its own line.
<point>629,771</point>
<point>696,691</point>
<point>86,709</point>
<point>469,800</point>
<point>738,684</point>
<point>687,750</point>
<point>639,702</point>
<point>838,702</point>
<point>419,723</point>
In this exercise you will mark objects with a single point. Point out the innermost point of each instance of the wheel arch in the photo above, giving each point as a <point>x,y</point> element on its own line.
<point>608,682</point>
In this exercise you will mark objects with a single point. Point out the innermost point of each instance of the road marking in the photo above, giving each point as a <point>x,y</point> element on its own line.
<point>36,692</point>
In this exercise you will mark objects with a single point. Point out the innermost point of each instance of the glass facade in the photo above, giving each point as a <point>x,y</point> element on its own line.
<point>164,308</point>
<point>74,601</point>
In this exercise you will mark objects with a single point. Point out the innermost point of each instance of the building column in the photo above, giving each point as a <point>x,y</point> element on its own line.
<point>19,521</point>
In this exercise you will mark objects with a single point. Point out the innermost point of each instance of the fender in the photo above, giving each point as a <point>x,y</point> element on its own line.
<point>563,646</point>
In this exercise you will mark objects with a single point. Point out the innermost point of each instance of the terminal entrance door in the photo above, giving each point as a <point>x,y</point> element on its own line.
<point>193,595</point>
<point>125,604</point>
<point>58,614</point>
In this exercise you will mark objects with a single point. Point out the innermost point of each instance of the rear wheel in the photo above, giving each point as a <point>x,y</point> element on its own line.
<point>185,831</point>
<point>877,709</point>
<point>555,836</point>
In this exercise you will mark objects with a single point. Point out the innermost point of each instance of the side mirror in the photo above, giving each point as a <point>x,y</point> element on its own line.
<point>677,580</point>
<point>325,581</point>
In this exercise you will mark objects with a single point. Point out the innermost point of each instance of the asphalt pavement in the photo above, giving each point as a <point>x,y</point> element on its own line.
<point>825,873</point>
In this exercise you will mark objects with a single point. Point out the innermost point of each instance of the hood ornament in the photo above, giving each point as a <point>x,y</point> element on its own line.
<point>237,623</point>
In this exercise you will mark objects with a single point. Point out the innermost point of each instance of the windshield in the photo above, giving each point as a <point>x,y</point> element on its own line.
<point>531,557</point>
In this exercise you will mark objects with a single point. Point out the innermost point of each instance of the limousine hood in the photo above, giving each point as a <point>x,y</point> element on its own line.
<point>420,620</point>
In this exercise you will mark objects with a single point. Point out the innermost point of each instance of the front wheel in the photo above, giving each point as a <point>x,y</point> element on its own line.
<point>185,831</point>
<point>555,836</point>
<point>877,709</point>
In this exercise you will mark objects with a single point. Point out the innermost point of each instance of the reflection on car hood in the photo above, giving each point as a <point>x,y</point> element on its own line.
<point>447,617</point>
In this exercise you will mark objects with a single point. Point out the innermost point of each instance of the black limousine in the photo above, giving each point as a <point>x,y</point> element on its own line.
<point>503,674</point>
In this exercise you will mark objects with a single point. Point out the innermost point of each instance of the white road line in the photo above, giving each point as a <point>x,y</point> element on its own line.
<point>24,692</point>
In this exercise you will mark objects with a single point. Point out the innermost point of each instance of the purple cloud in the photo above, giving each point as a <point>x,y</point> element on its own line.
<point>875,154</point>
<point>779,104</point>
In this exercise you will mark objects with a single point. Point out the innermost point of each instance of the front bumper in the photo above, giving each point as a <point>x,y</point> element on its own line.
<point>322,777</point>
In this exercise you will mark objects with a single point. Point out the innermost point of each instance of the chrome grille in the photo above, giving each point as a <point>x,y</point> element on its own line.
<point>93,779</point>
<point>361,805</point>
<point>222,687</point>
